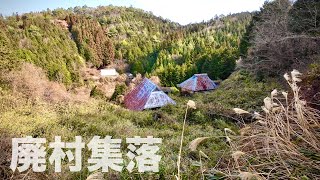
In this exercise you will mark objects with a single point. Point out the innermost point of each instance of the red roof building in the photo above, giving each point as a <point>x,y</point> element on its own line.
<point>146,95</point>
<point>198,82</point>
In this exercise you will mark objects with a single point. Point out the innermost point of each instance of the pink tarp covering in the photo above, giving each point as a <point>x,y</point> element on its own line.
<point>198,82</point>
<point>145,96</point>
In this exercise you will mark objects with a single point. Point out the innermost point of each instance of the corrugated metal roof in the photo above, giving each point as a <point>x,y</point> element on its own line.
<point>158,99</point>
<point>146,95</point>
<point>198,82</point>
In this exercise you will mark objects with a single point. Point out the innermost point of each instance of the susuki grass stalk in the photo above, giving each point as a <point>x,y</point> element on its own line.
<point>271,148</point>
<point>181,143</point>
<point>190,104</point>
<point>201,167</point>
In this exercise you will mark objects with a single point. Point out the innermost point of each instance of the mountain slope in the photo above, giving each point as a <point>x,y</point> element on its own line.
<point>61,41</point>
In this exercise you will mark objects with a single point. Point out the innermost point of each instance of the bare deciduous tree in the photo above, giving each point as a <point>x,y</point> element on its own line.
<point>275,49</point>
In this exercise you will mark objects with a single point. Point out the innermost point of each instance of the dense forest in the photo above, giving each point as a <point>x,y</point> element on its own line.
<point>261,122</point>
<point>60,41</point>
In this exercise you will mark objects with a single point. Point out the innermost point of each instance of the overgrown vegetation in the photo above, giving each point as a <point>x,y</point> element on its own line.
<point>40,118</point>
<point>61,41</point>
<point>35,39</point>
<point>274,48</point>
<point>283,143</point>
<point>91,40</point>
<point>42,56</point>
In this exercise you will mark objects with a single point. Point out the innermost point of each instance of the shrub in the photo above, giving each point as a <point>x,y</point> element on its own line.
<point>174,90</point>
<point>31,81</point>
<point>119,90</point>
<point>283,143</point>
<point>97,93</point>
<point>310,86</point>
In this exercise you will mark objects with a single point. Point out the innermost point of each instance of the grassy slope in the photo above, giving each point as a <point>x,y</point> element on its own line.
<point>22,117</point>
<point>40,119</point>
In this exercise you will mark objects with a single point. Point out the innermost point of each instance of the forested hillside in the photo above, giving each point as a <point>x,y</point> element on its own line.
<point>37,40</point>
<point>261,122</point>
<point>61,41</point>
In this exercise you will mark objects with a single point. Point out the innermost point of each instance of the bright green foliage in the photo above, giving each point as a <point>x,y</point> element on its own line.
<point>119,90</point>
<point>174,90</point>
<point>55,40</point>
<point>38,40</point>
<point>200,48</point>
<point>219,64</point>
<point>159,47</point>
<point>240,90</point>
<point>7,60</point>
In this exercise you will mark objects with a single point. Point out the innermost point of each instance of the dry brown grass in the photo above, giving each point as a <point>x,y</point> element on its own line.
<point>283,143</point>
<point>192,105</point>
<point>32,82</point>
<point>5,160</point>
<point>5,155</point>
<point>156,80</point>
